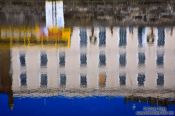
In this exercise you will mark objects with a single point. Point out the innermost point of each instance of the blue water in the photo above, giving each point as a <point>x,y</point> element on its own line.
<point>76,106</point>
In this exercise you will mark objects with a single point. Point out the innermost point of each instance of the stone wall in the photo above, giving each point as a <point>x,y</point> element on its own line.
<point>92,12</point>
<point>121,14</point>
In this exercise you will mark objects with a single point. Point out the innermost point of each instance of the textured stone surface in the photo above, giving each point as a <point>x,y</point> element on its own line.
<point>92,12</point>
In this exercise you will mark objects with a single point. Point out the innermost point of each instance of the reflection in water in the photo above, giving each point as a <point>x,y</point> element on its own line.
<point>160,79</point>
<point>62,80</point>
<point>62,59</point>
<point>74,57</point>
<point>123,40</point>
<point>43,57</point>
<point>35,35</point>
<point>43,80</point>
<point>134,65</point>
<point>23,79</point>
<point>122,78</point>
<point>83,37</point>
<point>83,59</point>
<point>141,58</point>
<point>5,77</point>
<point>102,80</point>
<point>120,64</point>
<point>54,13</point>
<point>83,80</point>
<point>150,100</point>
<point>141,79</point>
<point>45,64</point>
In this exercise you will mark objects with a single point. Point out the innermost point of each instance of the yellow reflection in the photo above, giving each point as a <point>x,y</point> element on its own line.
<point>27,36</point>
<point>102,80</point>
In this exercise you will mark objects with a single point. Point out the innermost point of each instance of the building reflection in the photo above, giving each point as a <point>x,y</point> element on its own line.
<point>121,63</point>
<point>51,59</point>
<point>119,59</point>
<point>14,35</point>
<point>150,100</point>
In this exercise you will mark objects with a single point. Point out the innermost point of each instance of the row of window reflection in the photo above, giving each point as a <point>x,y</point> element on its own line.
<point>83,80</point>
<point>102,59</point>
<point>44,59</point>
<point>122,37</point>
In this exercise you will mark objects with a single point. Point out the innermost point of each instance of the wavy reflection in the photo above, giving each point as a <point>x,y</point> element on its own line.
<point>121,63</point>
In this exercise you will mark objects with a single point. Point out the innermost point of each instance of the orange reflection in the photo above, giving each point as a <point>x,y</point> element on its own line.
<point>102,80</point>
<point>35,35</point>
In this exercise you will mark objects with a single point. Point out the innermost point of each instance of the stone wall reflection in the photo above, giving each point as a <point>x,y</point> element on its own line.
<point>96,12</point>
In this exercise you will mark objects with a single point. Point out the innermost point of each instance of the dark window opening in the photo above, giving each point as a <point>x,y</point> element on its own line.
<point>160,59</point>
<point>23,79</point>
<point>83,37</point>
<point>83,59</point>
<point>141,57</point>
<point>44,59</point>
<point>43,80</point>
<point>22,60</point>
<point>62,80</point>
<point>161,37</point>
<point>83,81</point>
<point>122,35</point>
<point>122,80</point>
<point>122,60</point>
<point>102,60</point>
<point>62,58</point>
<point>140,36</point>
<point>160,79</point>
<point>102,37</point>
<point>141,79</point>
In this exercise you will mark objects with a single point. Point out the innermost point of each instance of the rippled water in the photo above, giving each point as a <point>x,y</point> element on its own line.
<point>54,68</point>
<point>123,72</point>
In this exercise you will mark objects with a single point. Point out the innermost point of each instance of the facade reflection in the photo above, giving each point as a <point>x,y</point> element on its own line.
<point>150,100</point>
<point>121,59</point>
<point>49,59</point>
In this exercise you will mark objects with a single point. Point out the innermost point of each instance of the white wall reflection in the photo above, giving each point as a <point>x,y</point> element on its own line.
<point>54,13</point>
<point>123,59</point>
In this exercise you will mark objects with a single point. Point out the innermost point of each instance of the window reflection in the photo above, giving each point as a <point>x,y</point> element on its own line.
<point>122,36</point>
<point>83,81</point>
<point>102,37</point>
<point>131,29</point>
<point>160,79</point>
<point>160,59</point>
<point>141,79</point>
<point>83,59</point>
<point>83,37</point>
<point>62,80</point>
<point>62,59</point>
<point>122,59</point>
<point>140,36</point>
<point>122,78</point>
<point>102,80</point>
<point>23,79</point>
<point>22,59</point>
<point>141,57</point>
<point>161,37</point>
<point>102,59</point>
<point>151,37</point>
<point>93,38</point>
<point>44,59</point>
<point>43,82</point>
